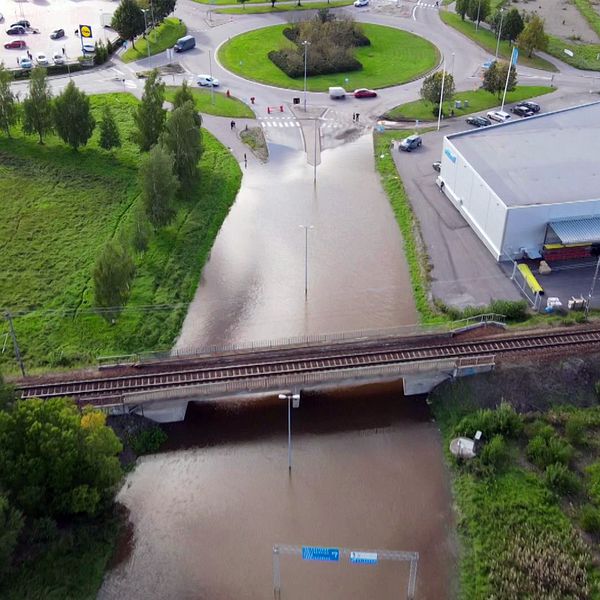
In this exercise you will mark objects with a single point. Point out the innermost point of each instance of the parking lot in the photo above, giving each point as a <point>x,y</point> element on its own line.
<point>46,17</point>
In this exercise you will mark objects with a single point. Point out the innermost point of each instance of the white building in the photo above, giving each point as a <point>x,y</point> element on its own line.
<point>529,182</point>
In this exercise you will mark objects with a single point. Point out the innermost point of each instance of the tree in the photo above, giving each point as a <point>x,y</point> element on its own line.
<point>163,8</point>
<point>159,185</point>
<point>73,119</point>
<point>432,87</point>
<point>113,273</point>
<point>533,36</point>
<point>513,25</point>
<point>183,95</point>
<point>150,114</point>
<point>37,107</point>
<point>478,10</point>
<point>8,105</point>
<point>183,139</point>
<point>243,3</point>
<point>461,7</point>
<point>494,78</point>
<point>55,461</point>
<point>128,20</point>
<point>11,524</point>
<point>8,394</point>
<point>109,132</point>
<point>273,3</point>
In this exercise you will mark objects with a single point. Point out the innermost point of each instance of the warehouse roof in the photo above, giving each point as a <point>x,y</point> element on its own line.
<point>550,158</point>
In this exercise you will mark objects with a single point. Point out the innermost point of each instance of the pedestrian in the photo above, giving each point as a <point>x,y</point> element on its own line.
<point>63,50</point>
<point>353,117</point>
<point>228,94</point>
<point>245,161</point>
<point>252,99</point>
<point>357,115</point>
<point>29,55</point>
<point>232,124</point>
<point>77,32</point>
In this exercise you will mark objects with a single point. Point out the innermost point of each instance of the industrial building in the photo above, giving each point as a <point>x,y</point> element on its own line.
<point>529,188</point>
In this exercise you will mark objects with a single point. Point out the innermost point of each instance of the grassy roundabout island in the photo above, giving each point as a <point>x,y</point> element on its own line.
<point>393,57</point>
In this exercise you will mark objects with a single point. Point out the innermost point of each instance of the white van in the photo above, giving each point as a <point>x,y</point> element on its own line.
<point>337,93</point>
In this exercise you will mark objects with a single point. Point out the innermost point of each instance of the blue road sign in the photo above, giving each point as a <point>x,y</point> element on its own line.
<point>363,558</point>
<point>318,553</point>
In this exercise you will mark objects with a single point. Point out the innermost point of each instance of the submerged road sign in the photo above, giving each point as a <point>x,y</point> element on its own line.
<point>363,558</point>
<point>318,553</point>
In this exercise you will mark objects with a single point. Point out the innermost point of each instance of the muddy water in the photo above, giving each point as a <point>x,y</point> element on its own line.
<point>367,474</point>
<point>252,288</point>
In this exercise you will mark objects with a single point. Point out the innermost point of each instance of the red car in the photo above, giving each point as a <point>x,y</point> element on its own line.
<point>364,93</point>
<point>15,44</point>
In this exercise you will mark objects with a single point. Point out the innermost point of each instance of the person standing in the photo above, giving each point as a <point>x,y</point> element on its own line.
<point>245,161</point>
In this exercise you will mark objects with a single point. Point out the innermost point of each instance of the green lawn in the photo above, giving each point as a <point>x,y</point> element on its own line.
<point>393,57</point>
<point>588,12</point>
<point>478,100</point>
<point>585,56</point>
<point>487,40</point>
<point>223,106</point>
<point>160,38</point>
<point>281,7</point>
<point>67,207</point>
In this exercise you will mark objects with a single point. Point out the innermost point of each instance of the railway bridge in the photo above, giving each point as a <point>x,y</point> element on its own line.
<point>161,389</point>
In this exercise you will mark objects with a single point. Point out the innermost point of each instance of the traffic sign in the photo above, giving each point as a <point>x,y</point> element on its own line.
<point>85,31</point>
<point>363,558</point>
<point>318,553</point>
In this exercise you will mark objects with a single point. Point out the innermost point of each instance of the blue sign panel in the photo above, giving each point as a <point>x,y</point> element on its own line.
<point>450,155</point>
<point>363,558</point>
<point>318,553</point>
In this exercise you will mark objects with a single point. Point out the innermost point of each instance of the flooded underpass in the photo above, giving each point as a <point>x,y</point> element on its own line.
<point>367,474</point>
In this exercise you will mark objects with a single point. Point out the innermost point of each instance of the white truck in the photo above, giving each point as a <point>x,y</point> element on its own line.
<point>337,93</point>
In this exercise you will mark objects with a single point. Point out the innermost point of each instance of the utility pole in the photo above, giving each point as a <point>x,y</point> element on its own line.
<point>587,306</point>
<point>13,335</point>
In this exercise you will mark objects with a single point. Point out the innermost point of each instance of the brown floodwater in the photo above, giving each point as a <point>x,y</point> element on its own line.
<point>367,474</point>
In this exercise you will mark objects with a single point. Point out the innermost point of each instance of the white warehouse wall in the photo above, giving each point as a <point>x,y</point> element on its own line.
<point>474,199</point>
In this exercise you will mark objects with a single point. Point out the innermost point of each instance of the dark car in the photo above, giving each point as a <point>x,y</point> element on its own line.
<point>16,30</point>
<point>478,121</point>
<point>57,34</point>
<point>365,93</point>
<point>15,44</point>
<point>410,143</point>
<point>22,23</point>
<point>532,106</point>
<point>521,110</point>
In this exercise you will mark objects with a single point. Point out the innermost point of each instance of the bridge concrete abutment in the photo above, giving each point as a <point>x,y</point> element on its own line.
<point>167,411</point>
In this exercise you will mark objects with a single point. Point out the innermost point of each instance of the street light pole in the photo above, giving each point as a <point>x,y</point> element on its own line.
<point>587,306</point>
<point>295,398</point>
<point>306,228</point>
<point>442,93</point>
<point>499,32</point>
<point>306,44</point>
<point>212,87</point>
<point>477,22</point>
<point>145,10</point>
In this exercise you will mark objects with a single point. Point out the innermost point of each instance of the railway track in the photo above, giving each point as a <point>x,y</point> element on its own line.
<point>110,387</point>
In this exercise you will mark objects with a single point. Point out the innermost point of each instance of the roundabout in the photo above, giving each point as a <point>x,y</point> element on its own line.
<point>394,57</point>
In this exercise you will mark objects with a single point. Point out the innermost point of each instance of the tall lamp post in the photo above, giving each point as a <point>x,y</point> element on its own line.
<point>591,293</point>
<point>478,10</point>
<point>306,44</point>
<point>292,400</point>
<point>145,10</point>
<point>212,87</point>
<point>499,32</point>
<point>306,228</point>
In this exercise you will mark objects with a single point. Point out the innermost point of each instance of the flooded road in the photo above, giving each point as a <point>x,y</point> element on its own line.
<point>367,474</point>
<point>252,287</point>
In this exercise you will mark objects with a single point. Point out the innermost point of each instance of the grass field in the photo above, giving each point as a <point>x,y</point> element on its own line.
<point>585,56</point>
<point>67,207</point>
<point>223,106</point>
<point>588,12</point>
<point>478,100</point>
<point>284,7</point>
<point>160,38</point>
<point>393,57</point>
<point>487,40</point>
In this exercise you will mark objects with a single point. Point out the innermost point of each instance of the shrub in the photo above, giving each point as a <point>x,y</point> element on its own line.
<point>542,451</point>
<point>148,441</point>
<point>589,518</point>
<point>512,310</point>
<point>495,453</point>
<point>560,480</point>
<point>504,420</point>
<point>593,481</point>
<point>575,429</point>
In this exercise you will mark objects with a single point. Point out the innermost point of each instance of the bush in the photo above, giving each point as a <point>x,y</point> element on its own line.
<point>593,481</point>
<point>11,524</point>
<point>495,454</point>
<point>543,451</point>
<point>560,480</point>
<point>148,441</point>
<point>589,518</point>
<point>43,529</point>
<point>512,310</point>
<point>504,421</point>
<point>575,429</point>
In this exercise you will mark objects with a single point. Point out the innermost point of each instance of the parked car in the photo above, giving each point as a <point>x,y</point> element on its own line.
<point>41,59</point>
<point>22,23</point>
<point>89,48</point>
<point>410,143</point>
<point>498,115</point>
<point>16,30</point>
<point>57,34</point>
<point>16,44</point>
<point>207,81</point>
<point>521,110</point>
<point>488,63</point>
<point>365,93</point>
<point>58,58</point>
<point>25,63</point>
<point>359,3</point>
<point>478,121</point>
<point>437,166</point>
<point>532,106</point>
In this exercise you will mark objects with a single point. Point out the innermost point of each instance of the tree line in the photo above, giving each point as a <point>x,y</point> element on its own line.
<point>129,22</point>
